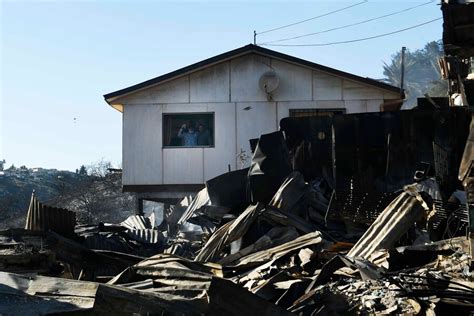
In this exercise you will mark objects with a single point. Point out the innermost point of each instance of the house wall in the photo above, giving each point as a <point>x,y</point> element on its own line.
<point>241,112</point>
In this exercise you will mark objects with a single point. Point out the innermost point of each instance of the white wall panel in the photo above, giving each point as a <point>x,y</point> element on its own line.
<point>216,159</point>
<point>326,87</point>
<point>357,91</point>
<point>175,91</point>
<point>391,95</point>
<point>211,84</point>
<point>184,108</point>
<point>356,106</point>
<point>259,119</point>
<point>245,73</point>
<point>374,105</point>
<point>183,165</point>
<point>142,142</point>
<point>295,82</point>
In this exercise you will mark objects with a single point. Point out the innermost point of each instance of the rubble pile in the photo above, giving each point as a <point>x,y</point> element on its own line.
<point>277,238</point>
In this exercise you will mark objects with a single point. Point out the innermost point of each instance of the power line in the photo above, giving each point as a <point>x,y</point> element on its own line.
<point>350,25</point>
<point>313,18</point>
<point>359,39</point>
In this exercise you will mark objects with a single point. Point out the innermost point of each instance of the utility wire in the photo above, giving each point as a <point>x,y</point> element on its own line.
<point>313,18</point>
<point>359,39</point>
<point>350,25</point>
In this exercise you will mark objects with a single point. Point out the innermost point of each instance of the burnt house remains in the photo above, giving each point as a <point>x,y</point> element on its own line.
<point>343,212</point>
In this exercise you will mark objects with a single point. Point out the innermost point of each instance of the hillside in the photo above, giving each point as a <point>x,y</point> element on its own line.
<point>94,198</point>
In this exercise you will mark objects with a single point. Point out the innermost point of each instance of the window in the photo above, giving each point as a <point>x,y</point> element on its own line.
<point>188,130</point>
<point>315,112</point>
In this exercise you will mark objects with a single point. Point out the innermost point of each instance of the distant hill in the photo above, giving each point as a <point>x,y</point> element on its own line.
<point>94,198</point>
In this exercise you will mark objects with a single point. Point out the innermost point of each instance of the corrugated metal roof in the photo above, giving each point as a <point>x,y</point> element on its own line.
<point>149,236</point>
<point>137,222</point>
<point>393,222</point>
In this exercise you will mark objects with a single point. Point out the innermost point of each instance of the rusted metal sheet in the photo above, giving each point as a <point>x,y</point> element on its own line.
<point>42,217</point>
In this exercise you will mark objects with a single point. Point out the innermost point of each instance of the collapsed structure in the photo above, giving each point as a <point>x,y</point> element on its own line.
<point>330,218</point>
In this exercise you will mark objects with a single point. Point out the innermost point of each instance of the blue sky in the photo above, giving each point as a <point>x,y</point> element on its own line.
<point>58,58</point>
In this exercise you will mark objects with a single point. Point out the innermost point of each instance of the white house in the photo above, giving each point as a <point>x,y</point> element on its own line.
<point>227,94</point>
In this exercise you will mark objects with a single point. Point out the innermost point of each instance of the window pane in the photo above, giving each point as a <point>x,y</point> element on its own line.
<point>188,130</point>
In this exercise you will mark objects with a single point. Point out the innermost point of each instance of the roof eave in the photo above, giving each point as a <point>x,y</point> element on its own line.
<point>110,97</point>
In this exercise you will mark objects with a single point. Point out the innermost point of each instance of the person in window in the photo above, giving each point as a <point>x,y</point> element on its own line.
<point>189,135</point>
<point>204,136</point>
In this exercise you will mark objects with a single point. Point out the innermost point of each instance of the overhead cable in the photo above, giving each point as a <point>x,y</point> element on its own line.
<point>352,24</point>
<point>310,19</point>
<point>359,39</point>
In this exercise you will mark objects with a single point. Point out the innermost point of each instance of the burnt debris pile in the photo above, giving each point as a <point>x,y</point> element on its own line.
<point>351,214</point>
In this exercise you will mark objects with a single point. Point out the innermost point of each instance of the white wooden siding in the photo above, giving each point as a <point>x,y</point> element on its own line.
<point>244,77</point>
<point>259,119</point>
<point>326,87</point>
<point>295,82</point>
<point>142,142</point>
<point>227,89</point>
<point>211,84</point>
<point>176,91</point>
<point>217,159</point>
<point>183,165</point>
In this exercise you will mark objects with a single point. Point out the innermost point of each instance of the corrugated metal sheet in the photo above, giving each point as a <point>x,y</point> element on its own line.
<point>201,199</point>
<point>391,224</point>
<point>43,218</point>
<point>141,228</point>
<point>87,229</point>
<point>149,236</point>
<point>107,241</point>
<point>137,222</point>
<point>145,285</point>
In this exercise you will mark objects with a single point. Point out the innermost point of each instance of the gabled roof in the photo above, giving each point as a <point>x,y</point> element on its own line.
<point>109,97</point>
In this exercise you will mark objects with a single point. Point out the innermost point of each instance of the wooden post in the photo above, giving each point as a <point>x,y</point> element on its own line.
<point>402,74</point>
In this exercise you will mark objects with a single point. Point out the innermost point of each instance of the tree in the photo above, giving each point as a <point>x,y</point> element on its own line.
<point>422,74</point>
<point>82,170</point>
<point>99,169</point>
<point>95,194</point>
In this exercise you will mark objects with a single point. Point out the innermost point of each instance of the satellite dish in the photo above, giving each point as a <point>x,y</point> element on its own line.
<point>269,81</point>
